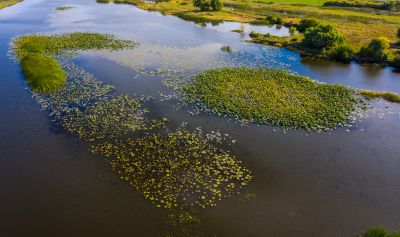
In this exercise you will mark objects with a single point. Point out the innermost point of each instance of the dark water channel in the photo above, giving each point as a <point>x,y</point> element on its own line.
<point>330,184</point>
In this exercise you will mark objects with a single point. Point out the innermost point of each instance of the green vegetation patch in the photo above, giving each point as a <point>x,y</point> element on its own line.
<point>7,3</point>
<point>37,52</point>
<point>109,118</point>
<point>79,91</point>
<point>43,73</point>
<point>56,45</point>
<point>272,96</point>
<point>178,169</point>
<point>64,8</point>
<point>378,231</point>
<point>389,96</point>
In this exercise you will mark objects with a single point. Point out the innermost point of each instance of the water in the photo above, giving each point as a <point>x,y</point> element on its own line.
<point>329,184</point>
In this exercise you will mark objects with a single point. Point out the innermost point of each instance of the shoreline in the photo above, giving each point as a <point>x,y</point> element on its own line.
<point>184,10</point>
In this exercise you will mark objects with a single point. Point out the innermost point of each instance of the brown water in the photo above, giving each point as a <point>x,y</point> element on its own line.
<point>328,184</point>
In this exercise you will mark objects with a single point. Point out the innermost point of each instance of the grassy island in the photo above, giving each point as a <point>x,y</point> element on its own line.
<point>42,72</point>
<point>33,50</point>
<point>272,96</point>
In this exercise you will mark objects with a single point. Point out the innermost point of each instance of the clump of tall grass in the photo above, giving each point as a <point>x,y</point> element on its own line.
<point>37,55</point>
<point>389,96</point>
<point>43,73</point>
<point>378,231</point>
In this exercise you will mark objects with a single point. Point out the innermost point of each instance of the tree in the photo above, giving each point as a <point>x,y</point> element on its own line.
<point>322,37</point>
<point>216,5</point>
<point>342,53</point>
<point>398,33</point>
<point>376,51</point>
<point>204,5</point>
<point>306,23</point>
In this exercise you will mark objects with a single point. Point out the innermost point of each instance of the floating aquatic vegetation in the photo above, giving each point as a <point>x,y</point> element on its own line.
<point>58,44</point>
<point>273,96</point>
<point>176,169</point>
<point>109,118</point>
<point>176,65</point>
<point>64,8</point>
<point>80,91</point>
<point>45,48</point>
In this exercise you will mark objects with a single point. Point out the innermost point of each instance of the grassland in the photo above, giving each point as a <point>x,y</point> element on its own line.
<point>273,97</point>
<point>43,49</point>
<point>7,3</point>
<point>358,25</point>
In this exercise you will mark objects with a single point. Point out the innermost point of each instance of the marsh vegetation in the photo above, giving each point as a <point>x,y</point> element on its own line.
<point>378,231</point>
<point>43,49</point>
<point>272,96</point>
<point>176,169</point>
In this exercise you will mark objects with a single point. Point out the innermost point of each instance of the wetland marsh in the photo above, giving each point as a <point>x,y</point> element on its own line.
<point>118,149</point>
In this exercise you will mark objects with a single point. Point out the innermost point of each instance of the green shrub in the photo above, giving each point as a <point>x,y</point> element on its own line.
<point>278,20</point>
<point>270,19</point>
<point>216,5</point>
<point>376,51</point>
<point>307,23</point>
<point>254,34</point>
<point>398,33</point>
<point>292,30</point>
<point>342,53</point>
<point>322,37</point>
<point>204,5</point>
<point>274,20</point>
<point>43,73</point>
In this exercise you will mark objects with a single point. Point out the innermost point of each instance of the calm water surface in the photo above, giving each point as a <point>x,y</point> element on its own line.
<point>334,184</point>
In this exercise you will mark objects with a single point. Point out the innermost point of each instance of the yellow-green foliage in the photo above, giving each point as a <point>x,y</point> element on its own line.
<point>54,45</point>
<point>7,3</point>
<point>378,231</point>
<point>43,73</point>
<point>37,52</point>
<point>179,169</point>
<point>272,96</point>
<point>109,118</point>
<point>389,96</point>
